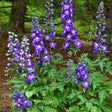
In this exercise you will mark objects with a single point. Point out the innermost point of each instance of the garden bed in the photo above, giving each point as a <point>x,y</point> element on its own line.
<point>5,102</point>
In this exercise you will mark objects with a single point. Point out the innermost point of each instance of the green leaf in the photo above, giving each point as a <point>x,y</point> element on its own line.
<point>89,105</point>
<point>52,73</point>
<point>61,86</point>
<point>82,98</point>
<point>91,93</point>
<point>73,109</point>
<point>35,109</point>
<point>110,91</point>
<point>71,96</point>
<point>57,100</point>
<point>95,84</point>
<point>40,106</point>
<point>13,106</point>
<point>102,95</point>
<point>102,63</point>
<point>94,101</point>
<point>31,93</point>
<point>49,109</point>
<point>54,86</point>
<point>94,109</point>
<point>31,71</point>
<point>47,100</point>
<point>57,59</point>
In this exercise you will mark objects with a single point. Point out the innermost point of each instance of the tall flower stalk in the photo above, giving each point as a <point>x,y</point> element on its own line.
<point>37,42</point>
<point>49,16</point>
<point>99,45</point>
<point>69,31</point>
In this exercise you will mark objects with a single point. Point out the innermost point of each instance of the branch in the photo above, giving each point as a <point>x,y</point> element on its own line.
<point>6,7</point>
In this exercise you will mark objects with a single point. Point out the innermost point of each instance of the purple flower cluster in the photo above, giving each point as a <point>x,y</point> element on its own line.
<point>21,100</point>
<point>71,68</point>
<point>69,31</point>
<point>82,73</point>
<point>49,16</point>
<point>99,45</point>
<point>21,54</point>
<point>37,42</point>
<point>27,60</point>
<point>13,45</point>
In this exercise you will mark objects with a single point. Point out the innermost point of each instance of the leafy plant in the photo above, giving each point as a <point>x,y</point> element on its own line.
<point>50,91</point>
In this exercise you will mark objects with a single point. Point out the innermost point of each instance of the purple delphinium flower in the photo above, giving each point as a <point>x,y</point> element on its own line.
<point>68,37</point>
<point>31,77</point>
<point>77,43</point>
<point>19,106</point>
<point>69,32</point>
<point>96,45</point>
<point>45,57</point>
<point>52,44</point>
<point>104,48</point>
<point>21,100</point>
<point>74,32</point>
<point>85,84</point>
<point>76,82</point>
<point>66,45</point>
<point>39,61</point>
<point>100,36</point>
<point>47,37</point>
<point>66,78</point>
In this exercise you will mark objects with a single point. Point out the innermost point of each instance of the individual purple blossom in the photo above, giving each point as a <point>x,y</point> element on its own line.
<point>45,57</point>
<point>77,43</point>
<point>104,48</point>
<point>76,82</point>
<point>19,107</point>
<point>31,77</point>
<point>47,37</point>
<point>39,61</point>
<point>96,45</point>
<point>52,44</point>
<point>66,45</point>
<point>68,37</point>
<point>85,84</point>
<point>66,78</point>
<point>74,32</point>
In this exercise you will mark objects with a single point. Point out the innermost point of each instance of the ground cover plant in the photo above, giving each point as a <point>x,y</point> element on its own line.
<point>78,86</point>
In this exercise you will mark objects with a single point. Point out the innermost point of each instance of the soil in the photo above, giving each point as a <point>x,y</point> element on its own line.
<point>5,101</point>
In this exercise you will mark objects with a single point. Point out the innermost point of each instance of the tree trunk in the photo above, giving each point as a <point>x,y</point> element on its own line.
<point>17,16</point>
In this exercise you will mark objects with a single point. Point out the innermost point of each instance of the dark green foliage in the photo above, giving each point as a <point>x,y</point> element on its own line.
<point>50,92</point>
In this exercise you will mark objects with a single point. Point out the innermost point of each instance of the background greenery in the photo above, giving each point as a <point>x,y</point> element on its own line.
<point>84,16</point>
